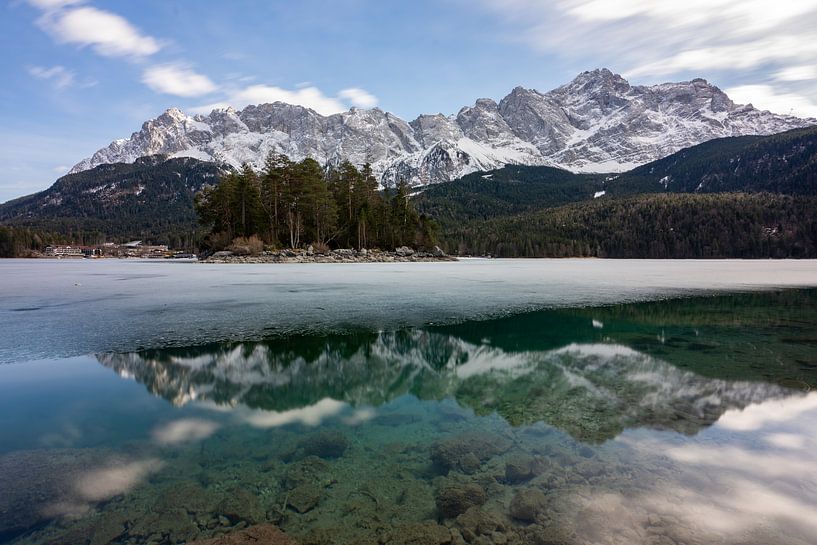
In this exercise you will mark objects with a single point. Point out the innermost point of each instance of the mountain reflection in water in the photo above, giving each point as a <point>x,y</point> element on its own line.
<point>685,421</point>
<point>676,365</point>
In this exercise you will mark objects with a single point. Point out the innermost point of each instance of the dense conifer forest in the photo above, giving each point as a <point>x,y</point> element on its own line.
<point>22,242</point>
<point>722,225</point>
<point>293,204</point>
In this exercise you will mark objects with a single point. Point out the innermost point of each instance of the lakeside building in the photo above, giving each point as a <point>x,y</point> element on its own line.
<point>64,251</point>
<point>110,249</point>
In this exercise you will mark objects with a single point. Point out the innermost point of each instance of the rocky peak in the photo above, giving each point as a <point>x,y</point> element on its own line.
<point>596,122</point>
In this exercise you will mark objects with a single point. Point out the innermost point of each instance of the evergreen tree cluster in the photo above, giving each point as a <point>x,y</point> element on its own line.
<point>22,242</point>
<point>680,226</point>
<point>294,204</point>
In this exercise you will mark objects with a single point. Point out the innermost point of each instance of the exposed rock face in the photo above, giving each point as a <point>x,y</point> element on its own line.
<point>596,123</point>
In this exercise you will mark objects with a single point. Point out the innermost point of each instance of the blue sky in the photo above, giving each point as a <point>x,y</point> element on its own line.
<point>79,73</point>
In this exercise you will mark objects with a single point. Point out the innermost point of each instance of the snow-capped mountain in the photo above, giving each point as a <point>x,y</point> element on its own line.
<point>596,123</point>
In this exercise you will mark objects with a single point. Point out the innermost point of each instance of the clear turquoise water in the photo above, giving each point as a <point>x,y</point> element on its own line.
<point>687,420</point>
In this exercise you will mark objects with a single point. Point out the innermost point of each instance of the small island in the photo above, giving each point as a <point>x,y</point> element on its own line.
<point>299,212</point>
<point>341,255</point>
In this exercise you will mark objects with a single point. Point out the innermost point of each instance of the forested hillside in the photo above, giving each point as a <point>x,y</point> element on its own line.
<point>151,199</point>
<point>782,163</point>
<point>726,225</point>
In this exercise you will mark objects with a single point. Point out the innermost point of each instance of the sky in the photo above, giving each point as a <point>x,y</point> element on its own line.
<point>77,74</point>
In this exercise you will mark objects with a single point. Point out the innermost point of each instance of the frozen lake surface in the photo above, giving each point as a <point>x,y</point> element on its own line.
<point>51,308</point>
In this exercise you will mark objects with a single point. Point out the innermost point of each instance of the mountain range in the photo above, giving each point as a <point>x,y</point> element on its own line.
<point>152,198</point>
<point>598,122</point>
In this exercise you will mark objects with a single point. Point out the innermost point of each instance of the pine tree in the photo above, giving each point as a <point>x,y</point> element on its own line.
<point>274,178</point>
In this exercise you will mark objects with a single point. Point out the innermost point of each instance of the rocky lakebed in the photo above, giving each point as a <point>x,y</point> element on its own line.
<point>402,478</point>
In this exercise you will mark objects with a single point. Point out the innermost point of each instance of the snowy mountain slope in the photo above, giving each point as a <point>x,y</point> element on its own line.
<point>596,123</point>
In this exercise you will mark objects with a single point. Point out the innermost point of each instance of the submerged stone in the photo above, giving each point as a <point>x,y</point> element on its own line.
<point>327,444</point>
<point>188,495</point>
<point>173,526</point>
<point>239,504</point>
<point>527,504</point>
<point>455,499</point>
<point>521,468</point>
<point>262,534</point>
<point>309,470</point>
<point>464,451</point>
<point>304,498</point>
<point>477,522</point>
<point>419,533</point>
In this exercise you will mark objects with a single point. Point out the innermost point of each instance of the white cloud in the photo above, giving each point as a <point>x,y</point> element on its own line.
<point>104,484</point>
<point>177,80</point>
<point>358,97</point>
<point>766,97</point>
<point>311,415</point>
<point>107,33</point>
<point>53,4</point>
<point>797,73</point>
<point>184,431</point>
<point>742,41</point>
<point>755,417</point>
<point>60,76</point>
<point>309,97</point>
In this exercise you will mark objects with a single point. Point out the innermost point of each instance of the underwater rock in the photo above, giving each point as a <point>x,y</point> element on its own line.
<point>477,522</point>
<point>309,470</point>
<point>172,525</point>
<point>591,469</point>
<point>536,534</point>
<point>189,495</point>
<point>327,444</point>
<point>419,533</point>
<point>262,534</point>
<point>527,504</point>
<point>304,498</point>
<point>239,504</point>
<point>521,468</point>
<point>470,464</point>
<point>107,528</point>
<point>460,452</point>
<point>455,499</point>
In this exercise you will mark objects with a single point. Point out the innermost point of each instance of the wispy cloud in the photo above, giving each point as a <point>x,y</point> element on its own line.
<point>111,35</point>
<point>358,97</point>
<point>60,76</point>
<point>750,40</point>
<point>179,80</point>
<point>767,97</point>
<point>105,32</point>
<point>309,97</point>
<point>184,431</point>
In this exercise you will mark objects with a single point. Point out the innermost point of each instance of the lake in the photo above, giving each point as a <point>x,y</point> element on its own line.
<point>482,401</point>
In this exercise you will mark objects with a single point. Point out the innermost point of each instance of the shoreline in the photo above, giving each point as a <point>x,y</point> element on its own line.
<point>400,255</point>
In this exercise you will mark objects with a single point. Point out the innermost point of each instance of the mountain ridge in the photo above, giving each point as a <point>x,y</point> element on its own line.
<point>598,122</point>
